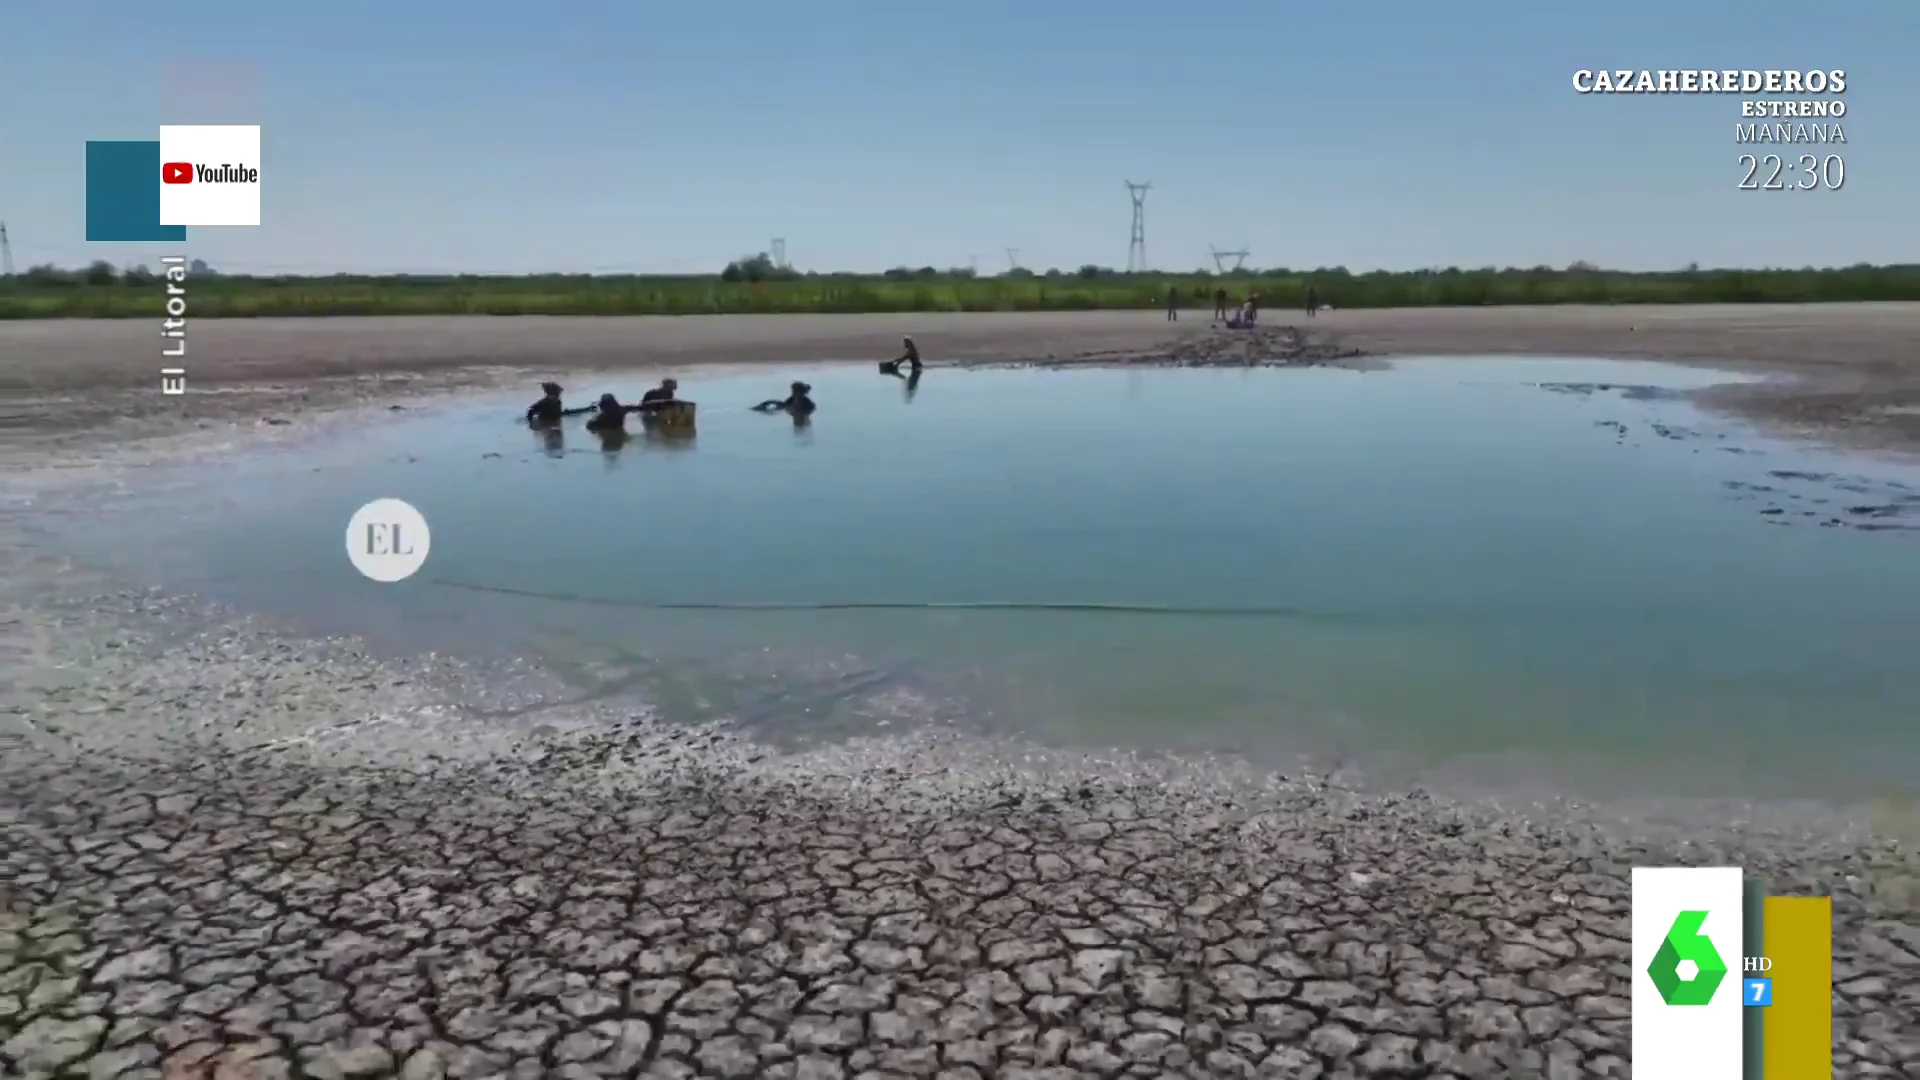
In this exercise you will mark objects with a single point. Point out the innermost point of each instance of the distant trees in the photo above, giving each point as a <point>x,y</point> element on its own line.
<point>754,283</point>
<point>756,268</point>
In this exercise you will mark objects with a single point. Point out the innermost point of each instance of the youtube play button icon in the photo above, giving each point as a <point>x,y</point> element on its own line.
<point>176,172</point>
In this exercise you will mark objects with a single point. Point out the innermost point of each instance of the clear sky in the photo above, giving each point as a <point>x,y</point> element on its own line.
<point>643,135</point>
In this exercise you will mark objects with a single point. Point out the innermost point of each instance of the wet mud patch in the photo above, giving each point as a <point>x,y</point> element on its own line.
<point>1810,496</point>
<point>1262,346</point>
<point>1831,501</point>
<point>1625,392</point>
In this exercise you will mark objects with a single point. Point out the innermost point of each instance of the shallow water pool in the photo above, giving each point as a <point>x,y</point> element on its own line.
<point>1487,566</point>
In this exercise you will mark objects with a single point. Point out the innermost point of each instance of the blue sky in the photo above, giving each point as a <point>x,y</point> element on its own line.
<point>590,136</point>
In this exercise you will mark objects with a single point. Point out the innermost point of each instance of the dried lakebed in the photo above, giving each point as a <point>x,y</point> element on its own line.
<point>228,851</point>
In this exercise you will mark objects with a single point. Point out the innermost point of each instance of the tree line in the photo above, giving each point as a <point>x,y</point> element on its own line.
<point>757,284</point>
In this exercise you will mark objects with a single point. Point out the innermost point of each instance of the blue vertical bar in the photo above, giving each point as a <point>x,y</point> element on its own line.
<point>123,194</point>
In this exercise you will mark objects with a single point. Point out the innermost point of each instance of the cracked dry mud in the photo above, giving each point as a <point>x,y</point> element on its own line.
<point>234,918</point>
<point>622,899</point>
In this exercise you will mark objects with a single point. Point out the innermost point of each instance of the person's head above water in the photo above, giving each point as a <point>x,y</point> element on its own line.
<point>551,389</point>
<point>802,388</point>
<point>609,402</point>
<point>669,384</point>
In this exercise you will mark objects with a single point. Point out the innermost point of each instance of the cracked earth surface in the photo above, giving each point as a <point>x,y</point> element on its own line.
<point>225,852</point>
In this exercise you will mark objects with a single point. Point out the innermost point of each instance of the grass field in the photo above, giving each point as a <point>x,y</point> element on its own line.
<point>103,292</point>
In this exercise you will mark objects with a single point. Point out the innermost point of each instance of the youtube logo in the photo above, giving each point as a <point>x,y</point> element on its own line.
<point>209,174</point>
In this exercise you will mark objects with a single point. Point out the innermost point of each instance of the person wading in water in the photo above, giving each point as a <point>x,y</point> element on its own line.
<point>549,409</point>
<point>660,394</point>
<point>909,359</point>
<point>797,402</point>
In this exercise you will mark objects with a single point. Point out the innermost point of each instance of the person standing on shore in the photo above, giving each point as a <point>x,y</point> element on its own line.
<point>1220,304</point>
<point>1313,302</point>
<point>1173,303</point>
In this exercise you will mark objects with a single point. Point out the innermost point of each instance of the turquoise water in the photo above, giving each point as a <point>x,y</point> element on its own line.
<point>1440,564</point>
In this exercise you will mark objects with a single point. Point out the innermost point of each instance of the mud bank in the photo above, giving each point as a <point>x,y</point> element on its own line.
<point>1849,371</point>
<point>1265,346</point>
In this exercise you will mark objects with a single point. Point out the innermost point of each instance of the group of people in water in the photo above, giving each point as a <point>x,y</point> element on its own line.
<point>609,414</point>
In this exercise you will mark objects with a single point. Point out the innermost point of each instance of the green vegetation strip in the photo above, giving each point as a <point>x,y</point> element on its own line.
<point>753,287</point>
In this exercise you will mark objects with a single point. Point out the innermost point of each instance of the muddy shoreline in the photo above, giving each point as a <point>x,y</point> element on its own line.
<point>230,851</point>
<point>1846,372</point>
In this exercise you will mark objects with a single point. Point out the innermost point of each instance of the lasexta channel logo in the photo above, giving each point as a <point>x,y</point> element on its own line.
<point>176,172</point>
<point>1687,969</point>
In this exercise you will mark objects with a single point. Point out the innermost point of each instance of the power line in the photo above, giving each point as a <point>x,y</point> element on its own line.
<point>6,252</point>
<point>1220,258</point>
<point>1013,259</point>
<point>780,252</point>
<point>1137,245</point>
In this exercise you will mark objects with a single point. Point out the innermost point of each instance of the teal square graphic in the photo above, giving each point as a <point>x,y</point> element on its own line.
<point>123,194</point>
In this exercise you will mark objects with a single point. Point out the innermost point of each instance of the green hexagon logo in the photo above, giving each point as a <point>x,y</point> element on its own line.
<point>1685,942</point>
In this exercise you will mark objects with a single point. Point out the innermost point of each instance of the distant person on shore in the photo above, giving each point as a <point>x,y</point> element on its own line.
<point>549,409</point>
<point>1173,304</point>
<point>910,359</point>
<point>1246,317</point>
<point>1313,302</point>
<point>798,402</point>
<point>1219,304</point>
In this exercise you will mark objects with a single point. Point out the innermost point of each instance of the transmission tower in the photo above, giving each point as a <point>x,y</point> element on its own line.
<point>6,252</point>
<point>1013,259</point>
<point>1137,247</point>
<point>780,252</point>
<point>1220,259</point>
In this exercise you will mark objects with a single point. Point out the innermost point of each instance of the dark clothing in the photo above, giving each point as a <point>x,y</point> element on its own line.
<point>911,357</point>
<point>1219,303</point>
<point>797,404</point>
<point>549,409</point>
<point>658,393</point>
<point>1173,305</point>
<point>611,415</point>
<point>1313,302</point>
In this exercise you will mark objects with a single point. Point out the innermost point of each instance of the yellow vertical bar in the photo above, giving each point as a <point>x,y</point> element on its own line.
<point>1798,938</point>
